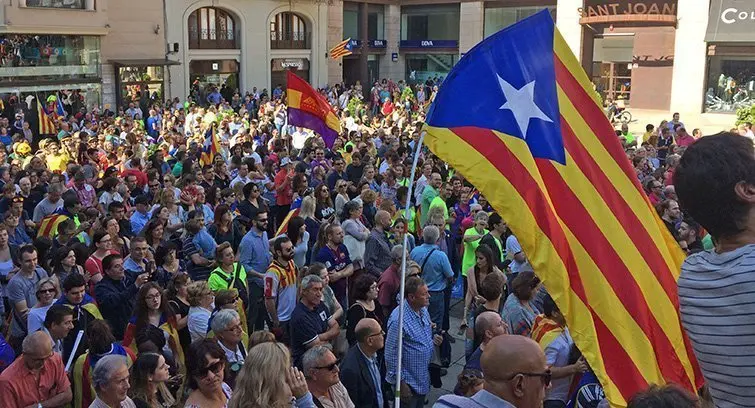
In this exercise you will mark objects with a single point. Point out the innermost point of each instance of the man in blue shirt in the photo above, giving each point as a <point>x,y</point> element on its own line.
<point>254,255</point>
<point>141,216</point>
<point>417,347</point>
<point>436,271</point>
<point>214,97</point>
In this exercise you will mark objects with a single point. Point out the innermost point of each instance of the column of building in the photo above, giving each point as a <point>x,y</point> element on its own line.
<point>690,48</point>
<point>472,16</point>
<point>388,67</point>
<point>335,35</point>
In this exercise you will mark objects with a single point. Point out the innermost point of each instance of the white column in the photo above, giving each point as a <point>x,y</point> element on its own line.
<point>471,21</point>
<point>335,35</point>
<point>567,21</point>
<point>690,48</point>
<point>108,87</point>
<point>389,68</point>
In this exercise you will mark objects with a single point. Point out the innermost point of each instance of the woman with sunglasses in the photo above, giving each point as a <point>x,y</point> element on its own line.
<point>268,380</point>
<point>205,365</point>
<point>324,208</point>
<point>47,293</point>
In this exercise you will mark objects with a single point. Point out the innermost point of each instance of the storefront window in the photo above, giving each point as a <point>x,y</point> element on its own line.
<point>731,83</point>
<point>34,58</point>
<point>430,22</point>
<point>421,67</point>
<point>63,4</point>
<point>612,67</point>
<point>72,97</point>
<point>375,22</point>
<point>498,18</point>
<point>140,79</point>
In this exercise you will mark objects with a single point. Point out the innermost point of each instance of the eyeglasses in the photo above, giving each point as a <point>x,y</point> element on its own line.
<point>215,368</point>
<point>329,367</point>
<point>545,377</point>
<point>41,291</point>
<point>381,333</point>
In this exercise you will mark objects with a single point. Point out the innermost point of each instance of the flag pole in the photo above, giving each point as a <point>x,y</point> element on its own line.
<point>397,390</point>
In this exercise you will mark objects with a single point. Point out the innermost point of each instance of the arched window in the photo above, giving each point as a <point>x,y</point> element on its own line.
<point>289,31</point>
<point>212,28</point>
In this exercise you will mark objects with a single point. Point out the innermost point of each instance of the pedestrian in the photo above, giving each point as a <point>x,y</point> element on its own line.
<point>110,378</point>
<point>363,368</point>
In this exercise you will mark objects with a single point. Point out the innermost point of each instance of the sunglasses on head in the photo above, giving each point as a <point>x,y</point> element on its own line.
<point>215,368</point>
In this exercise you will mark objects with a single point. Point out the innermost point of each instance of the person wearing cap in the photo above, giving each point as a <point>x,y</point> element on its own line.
<point>283,190</point>
<point>141,216</point>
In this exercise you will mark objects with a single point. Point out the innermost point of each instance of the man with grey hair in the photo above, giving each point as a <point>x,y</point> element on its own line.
<point>110,380</point>
<point>37,377</point>
<point>50,204</point>
<point>226,324</point>
<point>311,319</point>
<point>436,271</point>
<point>320,367</point>
<point>378,247</point>
<point>390,281</point>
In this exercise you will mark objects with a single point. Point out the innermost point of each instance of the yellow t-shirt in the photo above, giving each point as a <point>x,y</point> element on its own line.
<point>58,162</point>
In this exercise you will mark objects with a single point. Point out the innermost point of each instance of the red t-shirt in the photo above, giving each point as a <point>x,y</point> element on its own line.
<point>284,196</point>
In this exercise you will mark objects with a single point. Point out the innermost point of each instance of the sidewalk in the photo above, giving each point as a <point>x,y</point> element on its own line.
<point>457,355</point>
<point>709,123</point>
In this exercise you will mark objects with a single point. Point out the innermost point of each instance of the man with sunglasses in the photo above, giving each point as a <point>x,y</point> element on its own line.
<point>321,371</point>
<point>37,378</point>
<point>515,373</point>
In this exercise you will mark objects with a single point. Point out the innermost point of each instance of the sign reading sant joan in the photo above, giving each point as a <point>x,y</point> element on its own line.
<point>598,8</point>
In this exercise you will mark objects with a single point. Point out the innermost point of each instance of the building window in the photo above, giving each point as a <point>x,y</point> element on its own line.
<point>498,18</point>
<point>33,58</point>
<point>730,83</point>
<point>289,31</point>
<point>375,21</point>
<point>58,4</point>
<point>430,22</point>
<point>212,28</point>
<point>140,79</point>
<point>423,67</point>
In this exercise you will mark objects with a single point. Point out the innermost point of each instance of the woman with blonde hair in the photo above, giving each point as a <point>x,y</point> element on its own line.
<point>268,381</point>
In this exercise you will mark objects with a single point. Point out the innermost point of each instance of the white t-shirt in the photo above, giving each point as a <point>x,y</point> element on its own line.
<point>557,355</point>
<point>513,248</point>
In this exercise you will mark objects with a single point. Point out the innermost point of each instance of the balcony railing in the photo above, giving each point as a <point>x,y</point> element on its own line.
<point>212,39</point>
<point>290,40</point>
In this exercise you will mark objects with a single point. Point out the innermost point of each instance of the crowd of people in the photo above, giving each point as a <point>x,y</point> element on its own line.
<point>140,268</point>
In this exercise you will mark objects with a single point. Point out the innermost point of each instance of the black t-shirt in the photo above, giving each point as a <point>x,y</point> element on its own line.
<point>322,211</point>
<point>181,308</point>
<point>306,325</point>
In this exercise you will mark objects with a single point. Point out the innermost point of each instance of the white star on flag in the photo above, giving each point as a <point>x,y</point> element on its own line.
<point>521,103</point>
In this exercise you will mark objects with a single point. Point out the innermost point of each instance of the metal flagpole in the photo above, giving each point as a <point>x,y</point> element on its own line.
<point>397,391</point>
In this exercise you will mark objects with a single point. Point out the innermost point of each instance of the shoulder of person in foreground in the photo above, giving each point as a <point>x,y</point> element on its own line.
<point>455,401</point>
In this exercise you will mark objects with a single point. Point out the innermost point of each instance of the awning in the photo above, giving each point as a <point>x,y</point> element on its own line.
<point>144,62</point>
<point>731,21</point>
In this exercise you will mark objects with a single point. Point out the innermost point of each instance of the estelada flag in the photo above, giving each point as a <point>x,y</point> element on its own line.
<point>518,117</point>
<point>308,109</point>
<point>341,49</point>
<point>46,125</point>
<point>210,147</point>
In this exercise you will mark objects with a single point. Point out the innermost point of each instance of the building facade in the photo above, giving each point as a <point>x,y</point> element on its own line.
<point>241,44</point>
<point>87,53</point>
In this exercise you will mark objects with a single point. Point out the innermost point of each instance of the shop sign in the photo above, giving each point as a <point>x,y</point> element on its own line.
<point>282,64</point>
<point>602,8</point>
<point>731,20</point>
<point>356,44</point>
<point>429,44</point>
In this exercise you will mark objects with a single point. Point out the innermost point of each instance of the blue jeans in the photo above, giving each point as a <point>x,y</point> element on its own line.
<point>437,308</point>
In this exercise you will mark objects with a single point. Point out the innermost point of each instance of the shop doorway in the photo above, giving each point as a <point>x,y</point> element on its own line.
<point>204,75</point>
<point>612,67</point>
<point>279,67</point>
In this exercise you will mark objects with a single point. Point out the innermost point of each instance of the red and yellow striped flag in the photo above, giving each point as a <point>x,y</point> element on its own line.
<point>48,227</point>
<point>46,125</point>
<point>341,49</point>
<point>518,117</point>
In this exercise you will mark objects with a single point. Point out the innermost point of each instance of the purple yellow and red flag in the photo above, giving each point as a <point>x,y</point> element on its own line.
<point>519,118</point>
<point>308,109</point>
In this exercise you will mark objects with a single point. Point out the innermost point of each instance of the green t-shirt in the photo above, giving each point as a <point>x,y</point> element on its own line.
<point>219,279</point>
<point>439,202</point>
<point>469,258</point>
<point>428,195</point>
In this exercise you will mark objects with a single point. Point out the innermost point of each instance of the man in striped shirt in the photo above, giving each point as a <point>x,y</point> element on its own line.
<point>715,182</point>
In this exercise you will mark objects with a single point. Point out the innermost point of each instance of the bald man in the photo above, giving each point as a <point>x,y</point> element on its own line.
<point>37,377</point>
<point>516,375</point>
<point>363,369</point>
<point>377,251</point>
<point>487,326</point>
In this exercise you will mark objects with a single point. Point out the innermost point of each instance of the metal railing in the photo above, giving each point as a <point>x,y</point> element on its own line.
<point>212,39</point>
<point>290,40</point>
